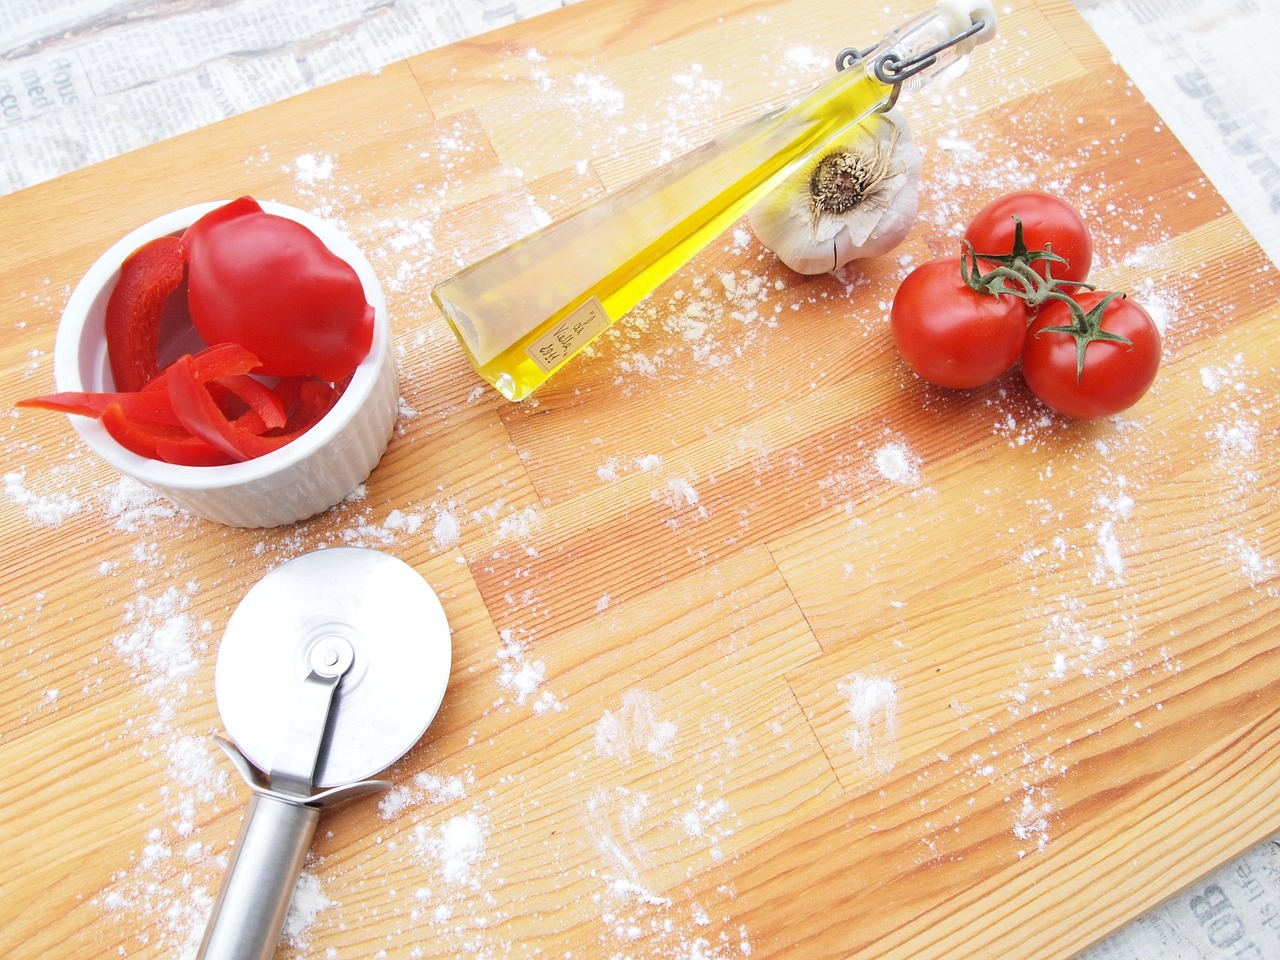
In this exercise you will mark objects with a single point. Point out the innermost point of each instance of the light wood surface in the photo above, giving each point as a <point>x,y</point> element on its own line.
<point>762,648</point>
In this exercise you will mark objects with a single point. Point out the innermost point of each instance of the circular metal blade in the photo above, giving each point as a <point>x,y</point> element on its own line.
<point>388,697</point>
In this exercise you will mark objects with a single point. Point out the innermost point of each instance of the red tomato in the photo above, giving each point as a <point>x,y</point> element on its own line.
<point>271,285</point>
<point>950,334</point>
<point>1114,375</point>
<point>1047,224</point>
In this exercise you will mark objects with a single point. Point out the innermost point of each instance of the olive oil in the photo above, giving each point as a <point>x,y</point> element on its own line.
<point>525,311</point>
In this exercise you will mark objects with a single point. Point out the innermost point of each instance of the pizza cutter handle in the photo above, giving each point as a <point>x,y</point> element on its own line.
<point>259,883</point>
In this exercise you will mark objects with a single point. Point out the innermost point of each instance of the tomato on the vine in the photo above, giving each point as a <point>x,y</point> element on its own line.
<point>1072,363</point>
<point>951,334</point>
<point>1048,223</point>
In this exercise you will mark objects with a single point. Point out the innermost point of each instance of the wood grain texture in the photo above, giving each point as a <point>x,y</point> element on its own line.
<point>761,646</point>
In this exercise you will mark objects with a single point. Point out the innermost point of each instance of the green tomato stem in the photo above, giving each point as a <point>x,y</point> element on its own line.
<point>1015,268</point>
<point>1085,327</point>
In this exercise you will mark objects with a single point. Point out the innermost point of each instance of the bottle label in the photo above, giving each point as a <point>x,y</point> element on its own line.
<point>569,336</point>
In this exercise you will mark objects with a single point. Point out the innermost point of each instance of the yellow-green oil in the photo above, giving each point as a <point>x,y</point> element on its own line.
<point>525,311</point>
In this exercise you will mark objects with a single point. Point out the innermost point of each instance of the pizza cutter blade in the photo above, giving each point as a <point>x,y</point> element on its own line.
<point>332,666</point>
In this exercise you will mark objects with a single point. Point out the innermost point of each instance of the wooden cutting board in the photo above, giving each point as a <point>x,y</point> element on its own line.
<point>762,647</point>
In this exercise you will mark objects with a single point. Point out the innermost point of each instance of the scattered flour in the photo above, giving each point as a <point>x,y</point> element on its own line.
<point>310,169</point>
<point>635,727</point>
<point>447,531</point>
<point>872,707</point>
<point>456,845</point>
<point>163,641</point>
<point>1115,509</point>
<point>52,508</point>
<point>308,902</point>
<point>524,677</point>
<point>678,495</point>
<point>1031,820</point>
<point>895,462</point>
<point>519,524</point>
<point>134,505</point>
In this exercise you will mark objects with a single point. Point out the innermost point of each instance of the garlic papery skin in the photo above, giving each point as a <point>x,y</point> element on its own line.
<point>857,197</point>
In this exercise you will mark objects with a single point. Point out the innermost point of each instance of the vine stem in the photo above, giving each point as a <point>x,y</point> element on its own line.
<point>1012,274</point>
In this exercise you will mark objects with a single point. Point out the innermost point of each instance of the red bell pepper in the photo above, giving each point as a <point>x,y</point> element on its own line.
<point>251,281</point>
<point>270,284</point>
<point>135,310</point>
<point>146,405</point>
<point>201,415</point>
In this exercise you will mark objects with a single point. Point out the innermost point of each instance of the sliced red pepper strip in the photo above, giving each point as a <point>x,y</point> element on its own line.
<point>192,452</point>
<point>150,406</point>
<point>250,422</point>
<point>315,399</point>
<point>214,363</point>
<point>200,414</point>
<point>287,391</point>
<point>138,436</point>
<point>135,309</point>
<point>258,397</point>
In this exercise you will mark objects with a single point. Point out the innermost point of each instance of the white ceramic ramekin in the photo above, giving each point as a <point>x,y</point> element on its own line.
<point>302,478</point>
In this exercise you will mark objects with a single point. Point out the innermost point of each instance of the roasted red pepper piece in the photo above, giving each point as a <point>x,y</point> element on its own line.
<point>200,414</point>
<point>148,277</point>
<point>151,406</point>
<point>192,452</point>
<point>270,284</point>
<point>138,436</point>
<point>258,397</point>
<point>214,363</point>
<point>315,399</point>
<point>161,442</point>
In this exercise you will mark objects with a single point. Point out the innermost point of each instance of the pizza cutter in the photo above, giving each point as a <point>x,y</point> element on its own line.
<point>331,668</point>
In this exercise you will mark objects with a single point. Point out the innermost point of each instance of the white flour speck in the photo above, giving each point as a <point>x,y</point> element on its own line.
<point>679,494</point>
<point>307,903</point>
<point>519,524</point>
<point>872,706</point>
<point>1031,822</point>
<point>447,531</point>
<point>50,509</point>
<point>133,504</point>
<point>635,727</point>
<point>895,462</point>
<point>163,637</point>
<point>524,677</point>
<point>311,169</point>
<point>457,846</point>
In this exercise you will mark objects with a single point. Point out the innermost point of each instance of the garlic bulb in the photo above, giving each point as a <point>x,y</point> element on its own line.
<point>855,198</point>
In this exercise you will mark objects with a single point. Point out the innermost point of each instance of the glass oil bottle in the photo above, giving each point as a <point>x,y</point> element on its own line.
<point>523,312</point>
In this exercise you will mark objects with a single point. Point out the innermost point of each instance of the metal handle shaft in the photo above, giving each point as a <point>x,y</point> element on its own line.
<point>259,883</point>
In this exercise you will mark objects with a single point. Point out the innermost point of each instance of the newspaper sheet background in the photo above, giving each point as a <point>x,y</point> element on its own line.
<point>84,80</point>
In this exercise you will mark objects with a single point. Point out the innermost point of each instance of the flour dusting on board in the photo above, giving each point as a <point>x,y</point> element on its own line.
<point>636,726</point>
<point>524,677</point>
<point>895,462</point>
<point>872,707</point>
<point>47,508</point>
<point>625,822</point>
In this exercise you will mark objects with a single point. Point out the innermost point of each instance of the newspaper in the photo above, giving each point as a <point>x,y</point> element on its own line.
<point>84,80</point>
<point>1233,914</point>
<point>1210,69</point>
